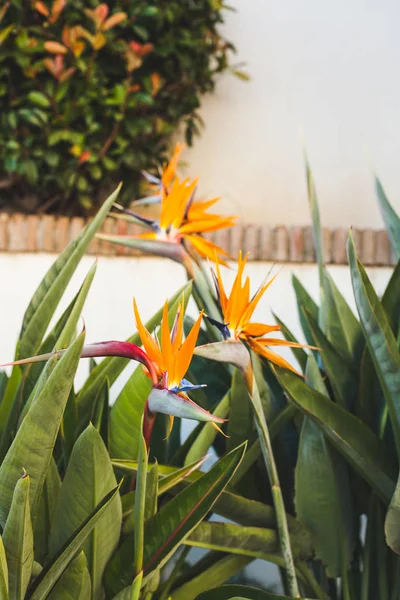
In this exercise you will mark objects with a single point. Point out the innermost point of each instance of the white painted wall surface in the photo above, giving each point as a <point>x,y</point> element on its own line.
<point>108,312</point>
<point>327,69</point>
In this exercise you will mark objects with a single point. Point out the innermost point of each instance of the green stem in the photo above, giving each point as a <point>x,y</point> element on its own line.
<point>266,448</point>
<point>312,582</point>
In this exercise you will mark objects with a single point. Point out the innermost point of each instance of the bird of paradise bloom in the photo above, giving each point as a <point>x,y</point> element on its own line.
<point>237,309</point>
<point>182,222</point>
<point>165,363</point>
<point>171,357</point>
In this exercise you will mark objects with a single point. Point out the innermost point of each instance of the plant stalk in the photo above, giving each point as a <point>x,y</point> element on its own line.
<point>266,448</point>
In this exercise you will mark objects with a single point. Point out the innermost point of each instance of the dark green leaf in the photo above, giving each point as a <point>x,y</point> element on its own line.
<point>390,218</point>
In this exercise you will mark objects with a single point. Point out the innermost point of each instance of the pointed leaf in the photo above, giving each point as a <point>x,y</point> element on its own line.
<point>46,298</point>
<point>313,206</point>
<point>338,369</point>
<point>389,216</point>
<point>33,445</point>
<point>341,327</point>
<point>167,403</point>
<point>74,583</point>
<point>358,444</point>
<point>379,337</point>
<point>89,477</point>
<point>54,569</point>
<point>299,353</point>
<point>140,506</point>
<point>171,250</point>
<point>18,540</point>
<point>45,514</point>
<point>206,437</point>
<point>173,523</point>
<point>305,302</point>
<point>327,512</point>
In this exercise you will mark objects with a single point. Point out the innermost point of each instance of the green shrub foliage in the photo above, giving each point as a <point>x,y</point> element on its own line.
<point>90,93</point>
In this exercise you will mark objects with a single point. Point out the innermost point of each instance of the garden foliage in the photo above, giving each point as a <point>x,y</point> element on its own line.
<point>306,479</point>
<point>90,93</point>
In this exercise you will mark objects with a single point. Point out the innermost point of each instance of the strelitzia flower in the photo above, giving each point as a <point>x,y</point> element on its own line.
<point>165,362</point>
<point>171,357</point>
<point>182,222</point>
<point>237,309</point>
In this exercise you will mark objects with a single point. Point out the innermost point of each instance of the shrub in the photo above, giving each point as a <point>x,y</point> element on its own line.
<point>90,93</point>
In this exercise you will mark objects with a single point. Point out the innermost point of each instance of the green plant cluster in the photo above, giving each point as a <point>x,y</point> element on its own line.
<point>86,513</point>
<point>91,92</point>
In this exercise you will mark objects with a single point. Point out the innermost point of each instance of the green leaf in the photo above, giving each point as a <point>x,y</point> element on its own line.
<point>391,299</point>
<point>89,477</point>
<point>379,337</point>
<point>341,327</point>
<point>313,205</point>
<point>390,217</point>
<point>305,302</point>
<point>219,572</point>
<point>39,99</point>
<point>33,445</point>
<point>241,420</point>
<point>111,368</point>
<point>338,369</point>
<point>140,506</point>
<point>358,444</point>
<point>257,542</point>
<point>327,512</point>
<point>173,523</point>
<point>74,583</point>
<point>44,518</point>
<point>299,354</point>
<point>47,296</point>
<point>126,414</point>
<point>54,569</point>
<point>18,540</point>
<point>206,437</point>
<point>240,592</point>
<point>3,572</point>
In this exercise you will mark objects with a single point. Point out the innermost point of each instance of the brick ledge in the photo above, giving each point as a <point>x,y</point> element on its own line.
<point>48,233</point>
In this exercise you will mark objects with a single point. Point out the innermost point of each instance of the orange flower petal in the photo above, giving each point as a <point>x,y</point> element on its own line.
<point>271,356</point>
<point>259,329</point>
<point>166,346</point>
<point>149,344</point>
<point>206,248</point>
<point>212,223</point>
<point>169,172</point>
<point>185,353</point>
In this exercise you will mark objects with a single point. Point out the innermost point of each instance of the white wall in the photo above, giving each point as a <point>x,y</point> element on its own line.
<point>108,312</point>
<point>328,69</point>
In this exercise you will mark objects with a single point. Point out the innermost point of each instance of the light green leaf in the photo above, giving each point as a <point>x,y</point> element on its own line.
<point>219,572</point>
<point>379,337</point>
<point>257,542</point>
<point>241,419</point>
<point>47,296</point>
<point>206,437</point>
<point>89,477</point>
<point>390,217</point>
<point>18,540</point>
<point>358,444</point>
<point>313,205</point>
<point>3,572</point>
<point>173,523</point>
<point>33,445</point>
<point>74,583</point>
<point>54,569</point>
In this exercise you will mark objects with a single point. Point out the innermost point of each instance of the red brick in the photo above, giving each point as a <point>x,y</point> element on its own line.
<point>368,247</point>
<point>48,230</point>
<point>296,244</point>
<point>32,226</point>
<point>16,228</point>
<point>251,241</point>
<point>266,243</point>
<point>382,248</point>
<point>281,253</point>
<point>61,239</point>
<point>339,239</point>
<point>4,219</point>
<point>309,249</point>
